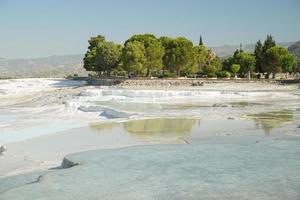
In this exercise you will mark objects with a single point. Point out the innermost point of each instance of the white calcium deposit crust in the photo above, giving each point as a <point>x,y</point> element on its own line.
<point>42,120</point>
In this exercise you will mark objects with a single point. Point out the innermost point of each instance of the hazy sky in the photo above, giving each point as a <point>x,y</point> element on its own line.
<point>35,28</point>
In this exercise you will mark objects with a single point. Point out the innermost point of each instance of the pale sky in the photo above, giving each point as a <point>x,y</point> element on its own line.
<point>39,28</point>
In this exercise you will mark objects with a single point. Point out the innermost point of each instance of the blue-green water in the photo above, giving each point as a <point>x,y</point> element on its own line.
<point>215,168</point>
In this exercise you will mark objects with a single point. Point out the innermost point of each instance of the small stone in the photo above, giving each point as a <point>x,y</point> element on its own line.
<point>2,149</point>
<point>230,118</point>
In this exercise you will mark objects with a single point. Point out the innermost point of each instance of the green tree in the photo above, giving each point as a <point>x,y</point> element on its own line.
<point>227,63</point>
<point>102,56</point>
<point>210,55</point>
<point>133,57</point>
<point>235,68</point>
<point>201,41</point>
<point>167,57</point>
<point>201,56</point>
<point>217,63</point>
<point>271,60</point>
<point>274,59</point>
<point>258,52</point>
<point>266,57</point>
<point>154,51</point>
<point>192,67</point>
<point>296,67</point>
<point>287,62</point>
<point>96,41</point>
<point>179,53</point>
<point>269,43</point>
<point>108,56</point>
<point>247,63</point>
<point>210,70</point>
<point>89,60</point>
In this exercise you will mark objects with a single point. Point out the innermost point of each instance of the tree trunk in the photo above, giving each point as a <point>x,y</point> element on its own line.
<point>178,71</point>
<point>148,72</point>
<point>98,74</point>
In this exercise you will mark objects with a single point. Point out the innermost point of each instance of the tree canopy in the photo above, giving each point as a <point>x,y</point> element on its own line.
<point>133,56</point>
<point>147,55</point>
<point>153,51</point>
<point>278,59</point>
<point>271,58</point>
<point>179,53</point>
<point>102,56</point>
<point>235,68</point>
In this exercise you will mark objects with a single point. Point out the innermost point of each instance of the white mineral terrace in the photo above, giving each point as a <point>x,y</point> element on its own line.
<point>252,125</point>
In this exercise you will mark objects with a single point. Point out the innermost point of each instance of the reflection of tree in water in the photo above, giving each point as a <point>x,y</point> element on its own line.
<point>103,126</point>
<point>270,120</point>
<point>243,104</point>
<point>160,126</point>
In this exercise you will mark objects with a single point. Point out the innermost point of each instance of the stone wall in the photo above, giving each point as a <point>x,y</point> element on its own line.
<point>167,82</point>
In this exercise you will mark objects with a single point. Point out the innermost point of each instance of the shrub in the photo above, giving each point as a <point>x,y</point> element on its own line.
<point>235,68</point>
<point>210,69</point>
<point>224,74</point>
<point>168,75</point>
<point>211,75</point>
<point>227,74</point>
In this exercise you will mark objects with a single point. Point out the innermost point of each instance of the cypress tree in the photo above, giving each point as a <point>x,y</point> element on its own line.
<point>269,43</point>
<point>258,56</point>
<point>200,41</point>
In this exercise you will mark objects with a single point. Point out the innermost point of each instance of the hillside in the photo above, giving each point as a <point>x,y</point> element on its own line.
<point>228,50</point>
<point>53,66</point>
<point>295,49</point>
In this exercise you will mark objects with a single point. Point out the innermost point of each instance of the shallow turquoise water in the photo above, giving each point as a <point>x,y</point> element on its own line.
<point>215,168</point>
<point>35,131</point>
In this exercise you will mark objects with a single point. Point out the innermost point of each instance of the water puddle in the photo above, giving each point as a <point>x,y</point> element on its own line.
<point>160,126</point>
<point>243,104</point>
<point>155,127</point>
<point>270,120</point>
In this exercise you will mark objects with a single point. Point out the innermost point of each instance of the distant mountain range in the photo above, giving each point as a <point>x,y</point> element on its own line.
<point>62,66</point>
<point>295,49</point>
<point>53,66</point>
<point>228,50</point>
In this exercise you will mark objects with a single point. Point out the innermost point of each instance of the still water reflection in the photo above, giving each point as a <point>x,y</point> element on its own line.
<point>270,120</point>
<point>160,127</point>
<point>178,127</point>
